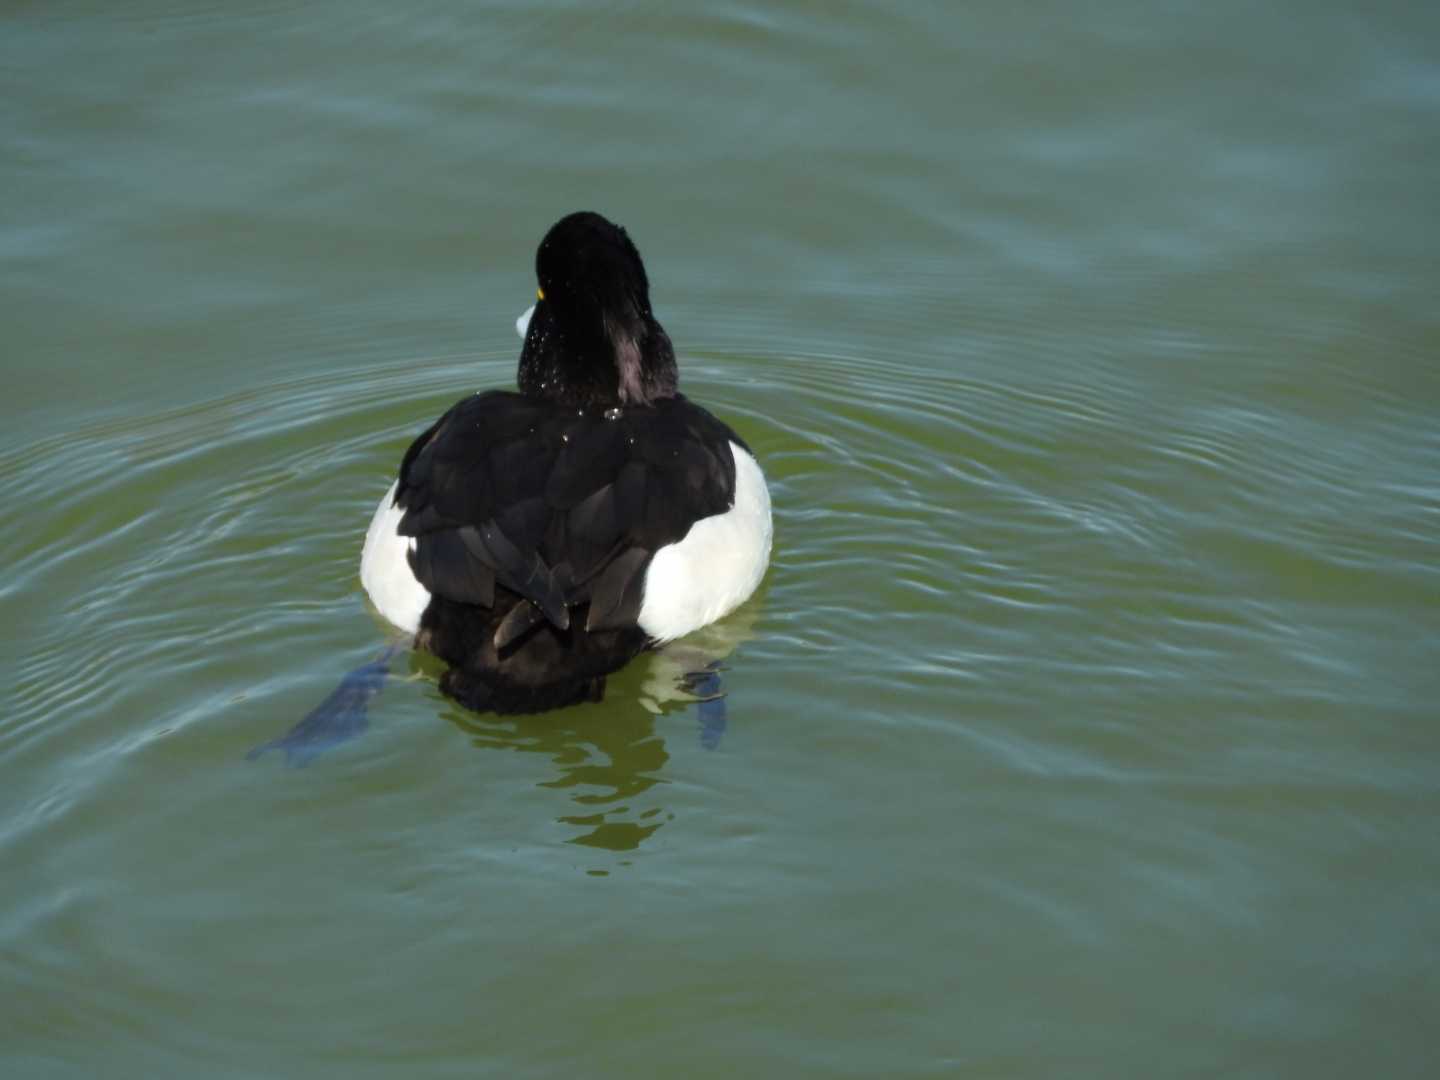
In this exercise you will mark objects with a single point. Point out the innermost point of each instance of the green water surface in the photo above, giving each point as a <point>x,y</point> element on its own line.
<point>1086,722</point>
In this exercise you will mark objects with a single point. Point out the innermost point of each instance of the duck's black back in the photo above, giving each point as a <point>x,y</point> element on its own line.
<point>534,526</point>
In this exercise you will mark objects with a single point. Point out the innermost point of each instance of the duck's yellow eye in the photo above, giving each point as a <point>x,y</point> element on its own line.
<point>539,294</point>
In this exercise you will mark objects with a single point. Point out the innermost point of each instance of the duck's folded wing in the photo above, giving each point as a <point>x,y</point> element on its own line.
<point>563,508</point>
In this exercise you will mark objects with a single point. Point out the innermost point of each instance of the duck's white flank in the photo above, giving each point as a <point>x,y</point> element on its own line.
<point>718,564</point>
<point>385,571</point>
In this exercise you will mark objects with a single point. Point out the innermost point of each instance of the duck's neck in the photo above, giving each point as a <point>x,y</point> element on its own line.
<point>613,366</point>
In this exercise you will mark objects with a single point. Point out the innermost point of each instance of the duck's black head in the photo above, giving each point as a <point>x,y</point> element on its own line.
<point>592,340</point>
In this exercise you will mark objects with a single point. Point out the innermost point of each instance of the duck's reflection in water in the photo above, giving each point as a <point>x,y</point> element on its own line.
<point>606,756</point>
<point>609,756</point>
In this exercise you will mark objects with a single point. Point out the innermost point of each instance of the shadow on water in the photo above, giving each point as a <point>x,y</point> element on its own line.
<point>608,755</point>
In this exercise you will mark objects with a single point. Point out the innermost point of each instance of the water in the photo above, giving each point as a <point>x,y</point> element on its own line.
<point>1085,724</point>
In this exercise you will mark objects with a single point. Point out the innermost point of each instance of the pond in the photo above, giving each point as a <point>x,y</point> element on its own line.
<point>1085,723</point>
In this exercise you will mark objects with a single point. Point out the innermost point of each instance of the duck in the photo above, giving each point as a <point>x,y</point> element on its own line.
<point>537,540</point>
